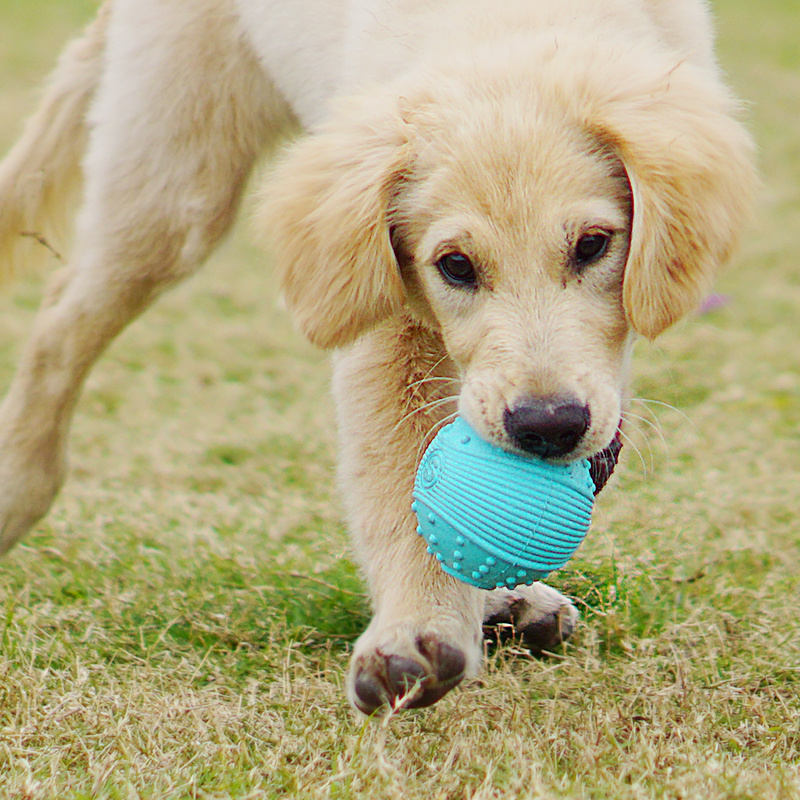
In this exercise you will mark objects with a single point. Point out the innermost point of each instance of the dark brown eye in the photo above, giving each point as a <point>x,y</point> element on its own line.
<point>591,247</point>
<point>457,270</point>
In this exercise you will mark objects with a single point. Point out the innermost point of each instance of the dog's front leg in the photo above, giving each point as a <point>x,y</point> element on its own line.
<point>425,636</point>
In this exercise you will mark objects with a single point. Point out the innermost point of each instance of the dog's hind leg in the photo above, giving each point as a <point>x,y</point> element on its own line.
<point>181,113</point>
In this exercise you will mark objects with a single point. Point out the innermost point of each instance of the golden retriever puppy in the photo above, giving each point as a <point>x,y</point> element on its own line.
<point>491,200</point>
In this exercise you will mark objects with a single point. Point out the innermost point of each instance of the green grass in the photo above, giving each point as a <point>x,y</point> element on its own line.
<point>179,625</point>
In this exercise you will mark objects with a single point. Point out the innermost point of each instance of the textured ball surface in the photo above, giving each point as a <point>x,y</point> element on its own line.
<point>494,518</point>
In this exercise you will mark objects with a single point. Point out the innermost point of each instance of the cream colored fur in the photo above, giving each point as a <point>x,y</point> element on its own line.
<point>504,132</point>
<point>41,176</point>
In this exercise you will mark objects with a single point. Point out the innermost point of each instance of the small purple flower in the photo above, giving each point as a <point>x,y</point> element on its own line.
<point>713,302</point>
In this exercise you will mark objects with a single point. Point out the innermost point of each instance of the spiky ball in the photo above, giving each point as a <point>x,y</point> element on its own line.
<point>494,518</point>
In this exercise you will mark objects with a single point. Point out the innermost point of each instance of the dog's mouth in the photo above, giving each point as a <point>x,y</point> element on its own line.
<point>602,464</point>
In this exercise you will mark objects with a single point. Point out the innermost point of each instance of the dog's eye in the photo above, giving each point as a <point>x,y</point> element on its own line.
<point>457,270</point>
<point>590,247</point>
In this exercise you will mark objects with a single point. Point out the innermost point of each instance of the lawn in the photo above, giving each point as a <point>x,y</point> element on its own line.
<point>179,625</point>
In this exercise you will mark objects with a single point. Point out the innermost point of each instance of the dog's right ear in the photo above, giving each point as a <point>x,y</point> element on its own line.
<point>690,166</point>
<point>325,215</point>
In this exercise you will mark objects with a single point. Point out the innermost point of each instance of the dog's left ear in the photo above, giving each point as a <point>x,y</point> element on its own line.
<point>325,215</point>
<point>690,165</point>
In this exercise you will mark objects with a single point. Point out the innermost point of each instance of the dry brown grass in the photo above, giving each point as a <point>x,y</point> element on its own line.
<point>178,627</point>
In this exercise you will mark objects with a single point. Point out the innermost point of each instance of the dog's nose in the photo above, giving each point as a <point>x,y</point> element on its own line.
<point>547,427</point>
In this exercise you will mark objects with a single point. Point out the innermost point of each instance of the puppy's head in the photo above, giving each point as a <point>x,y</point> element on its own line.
<point>535,215</point>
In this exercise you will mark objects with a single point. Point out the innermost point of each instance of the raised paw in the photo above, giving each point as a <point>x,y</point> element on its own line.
<point>538,616</point>
<point>400,669</point>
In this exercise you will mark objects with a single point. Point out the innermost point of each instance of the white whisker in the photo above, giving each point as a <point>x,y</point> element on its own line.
<point>636,450</point>
<point>642,434</point>
<point>431,379</point>
<point>646,400</point>
<point>425,407</point>
<point>433,367</point>
<point>628,415</point>
<point>433,430</point>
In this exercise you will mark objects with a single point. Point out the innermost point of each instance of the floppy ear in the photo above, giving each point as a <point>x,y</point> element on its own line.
<point>325,214</point>
<point>690,166</point>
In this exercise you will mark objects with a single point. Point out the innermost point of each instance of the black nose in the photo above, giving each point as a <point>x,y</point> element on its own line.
<point>547,427</point>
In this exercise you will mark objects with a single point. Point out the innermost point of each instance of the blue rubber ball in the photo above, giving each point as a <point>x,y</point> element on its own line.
<point>493,518</point>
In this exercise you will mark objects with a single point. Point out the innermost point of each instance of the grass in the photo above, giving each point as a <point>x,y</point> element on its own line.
<point>179,625</point>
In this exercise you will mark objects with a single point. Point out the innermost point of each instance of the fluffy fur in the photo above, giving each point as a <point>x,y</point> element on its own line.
<point>511,137</point>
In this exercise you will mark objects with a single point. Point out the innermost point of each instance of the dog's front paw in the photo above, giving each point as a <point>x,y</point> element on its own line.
<point>538,615</point>
<point>409,666</point>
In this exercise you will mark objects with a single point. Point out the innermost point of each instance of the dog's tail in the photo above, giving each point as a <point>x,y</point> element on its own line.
<point>41,176</point>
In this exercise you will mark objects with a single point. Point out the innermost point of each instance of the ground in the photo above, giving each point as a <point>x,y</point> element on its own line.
<point>179,625</point>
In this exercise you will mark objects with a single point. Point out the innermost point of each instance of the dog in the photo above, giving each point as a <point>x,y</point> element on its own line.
<point>485,205</point>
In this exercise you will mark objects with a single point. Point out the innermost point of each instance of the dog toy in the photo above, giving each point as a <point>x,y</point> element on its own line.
<point>494,518</point>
